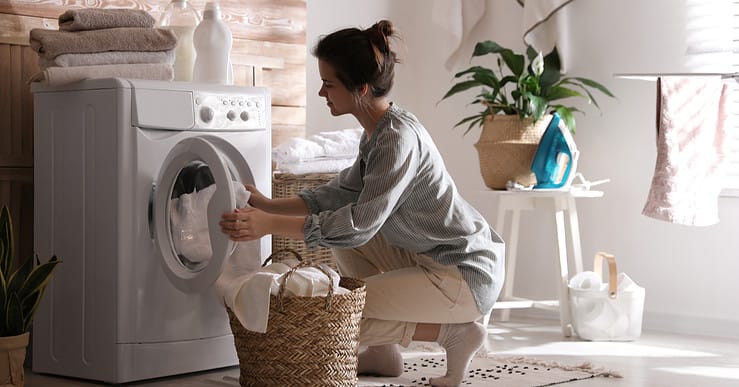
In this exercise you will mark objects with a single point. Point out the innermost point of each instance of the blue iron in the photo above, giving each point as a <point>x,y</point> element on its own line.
<point>556,157</point>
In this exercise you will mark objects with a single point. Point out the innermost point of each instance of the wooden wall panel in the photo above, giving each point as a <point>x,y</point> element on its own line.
<point>16,192</point>
<point>17,65</point>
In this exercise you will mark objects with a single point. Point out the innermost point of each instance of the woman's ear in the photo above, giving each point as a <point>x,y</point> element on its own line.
<point>364,89</point>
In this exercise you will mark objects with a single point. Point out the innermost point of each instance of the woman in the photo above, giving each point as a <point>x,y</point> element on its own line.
<point>431,263</point>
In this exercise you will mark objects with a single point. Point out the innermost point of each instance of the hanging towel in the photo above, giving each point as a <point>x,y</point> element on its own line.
<point>95,19</point>
<point>56,76</point>
<point>457,18</point>
<point>693,114</point>
<point>107,58</point>
<point>545,24</point>
<point>52,43</point>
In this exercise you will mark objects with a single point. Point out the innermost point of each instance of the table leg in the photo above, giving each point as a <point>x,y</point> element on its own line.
<point>510,264</point>
<point>564,303</point>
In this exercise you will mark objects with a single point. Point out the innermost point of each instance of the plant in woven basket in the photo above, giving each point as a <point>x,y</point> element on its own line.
<point>526,90</point>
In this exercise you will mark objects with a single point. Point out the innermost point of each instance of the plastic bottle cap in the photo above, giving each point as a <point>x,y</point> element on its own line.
<point>212,9</point>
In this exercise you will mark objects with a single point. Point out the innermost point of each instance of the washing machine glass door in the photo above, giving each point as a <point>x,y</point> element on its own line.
<point>194,188</point>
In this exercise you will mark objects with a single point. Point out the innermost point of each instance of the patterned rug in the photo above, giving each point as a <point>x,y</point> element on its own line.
<point>489,371</point>
<point>424,362</point>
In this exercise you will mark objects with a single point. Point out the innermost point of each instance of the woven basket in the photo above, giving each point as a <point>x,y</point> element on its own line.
<point>287,185</point>
<point>506,148</point>
<point>310,341</point>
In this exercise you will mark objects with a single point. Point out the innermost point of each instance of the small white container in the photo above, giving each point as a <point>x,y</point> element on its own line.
<point>608,311</point>
<point>213,41</point>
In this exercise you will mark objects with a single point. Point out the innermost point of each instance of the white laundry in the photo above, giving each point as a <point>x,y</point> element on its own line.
<point>189,221</point>
<point>318,165</point>
<point>248,296</point>
<point>339,144</point>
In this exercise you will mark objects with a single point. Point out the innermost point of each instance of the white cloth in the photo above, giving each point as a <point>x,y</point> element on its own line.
<point>545,24</point>
<point>693,117</point>
<point>319,165</point>
<point>457,18</point>
<point>249,295</point>
<point>338,144</point>
<point>189,220</point>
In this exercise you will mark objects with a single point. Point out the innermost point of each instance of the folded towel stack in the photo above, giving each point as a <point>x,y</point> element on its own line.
<point>104,43</point>
<point>325,152</point>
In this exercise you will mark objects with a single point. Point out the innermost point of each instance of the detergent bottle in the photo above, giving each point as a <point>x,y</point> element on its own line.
<point>213,43</point>
<point>182,18</point>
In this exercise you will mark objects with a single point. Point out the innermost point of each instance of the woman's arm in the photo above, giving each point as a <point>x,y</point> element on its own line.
<point>285,206</point>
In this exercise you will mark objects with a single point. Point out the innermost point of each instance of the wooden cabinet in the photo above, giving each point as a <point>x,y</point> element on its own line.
<point>268,50</point>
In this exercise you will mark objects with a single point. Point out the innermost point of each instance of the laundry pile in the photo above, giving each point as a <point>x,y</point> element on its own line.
<point>103,43</point>
<point>325,152</point>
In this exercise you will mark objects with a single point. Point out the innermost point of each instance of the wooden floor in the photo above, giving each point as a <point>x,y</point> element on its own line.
<point>654,360</point>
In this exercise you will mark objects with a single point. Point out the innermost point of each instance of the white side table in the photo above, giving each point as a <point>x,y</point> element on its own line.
<point>562,205</point>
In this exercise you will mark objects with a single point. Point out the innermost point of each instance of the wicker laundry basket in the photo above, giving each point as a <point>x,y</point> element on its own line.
<point>310,341</point>
<point>286,185</point>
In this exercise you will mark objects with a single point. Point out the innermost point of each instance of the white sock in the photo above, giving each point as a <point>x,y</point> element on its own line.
<point>460,341</point>
<point>381,360</point>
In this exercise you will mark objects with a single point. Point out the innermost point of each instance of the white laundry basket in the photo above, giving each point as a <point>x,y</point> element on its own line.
<point>606,311</point>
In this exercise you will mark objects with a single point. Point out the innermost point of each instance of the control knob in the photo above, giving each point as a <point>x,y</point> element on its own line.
<point>206,114</point>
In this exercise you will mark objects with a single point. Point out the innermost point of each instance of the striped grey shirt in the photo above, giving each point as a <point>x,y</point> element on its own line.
<point>399,186</point>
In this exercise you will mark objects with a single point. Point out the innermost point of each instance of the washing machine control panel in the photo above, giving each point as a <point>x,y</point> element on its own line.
<point>224,111</point>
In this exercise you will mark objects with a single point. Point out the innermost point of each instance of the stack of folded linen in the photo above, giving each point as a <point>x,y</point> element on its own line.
<point>104,43</point>
<point>325,152</point>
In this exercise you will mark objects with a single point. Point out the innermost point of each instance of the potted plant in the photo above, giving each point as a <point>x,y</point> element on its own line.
<point>21,289</point>
<point>516,100</point>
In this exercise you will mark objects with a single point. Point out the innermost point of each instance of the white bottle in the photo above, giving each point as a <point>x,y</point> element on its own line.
<point>213,43</point>
<point>182,18</point>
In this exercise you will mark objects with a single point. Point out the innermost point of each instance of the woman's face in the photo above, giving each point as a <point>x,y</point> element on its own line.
<point>338,98</point>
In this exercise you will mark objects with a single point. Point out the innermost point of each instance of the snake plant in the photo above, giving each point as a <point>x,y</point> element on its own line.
<point>22,285</point>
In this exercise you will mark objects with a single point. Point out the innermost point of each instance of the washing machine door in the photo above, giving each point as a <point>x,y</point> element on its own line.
<point>194,188</point>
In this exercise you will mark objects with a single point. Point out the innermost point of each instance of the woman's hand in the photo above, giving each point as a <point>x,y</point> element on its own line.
<point>246,224</point>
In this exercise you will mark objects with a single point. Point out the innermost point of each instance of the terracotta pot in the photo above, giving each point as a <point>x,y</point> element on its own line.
<point>12,356</point>
<point>506,149</point>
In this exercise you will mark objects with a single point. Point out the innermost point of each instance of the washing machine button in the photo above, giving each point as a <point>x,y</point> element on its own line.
<point>231,115</point>
<point>206,114</point>
<point>244,116</point>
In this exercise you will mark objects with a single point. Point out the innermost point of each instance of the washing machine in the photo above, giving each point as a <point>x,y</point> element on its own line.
<point>110,158</point>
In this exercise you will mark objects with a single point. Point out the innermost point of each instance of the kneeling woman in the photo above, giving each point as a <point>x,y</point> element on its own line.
<point>432,264</point>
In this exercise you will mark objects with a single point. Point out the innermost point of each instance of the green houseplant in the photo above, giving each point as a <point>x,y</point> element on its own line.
<point>535,87</point>
<point>21,289</point>
<point>516,101</point>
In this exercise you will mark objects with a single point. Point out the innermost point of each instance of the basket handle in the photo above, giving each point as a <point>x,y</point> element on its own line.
<point>302,264</point>
<point>275,253</point>
<point>612,271</point>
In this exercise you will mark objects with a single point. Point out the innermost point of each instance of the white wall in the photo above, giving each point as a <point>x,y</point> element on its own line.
<point>689,272</point>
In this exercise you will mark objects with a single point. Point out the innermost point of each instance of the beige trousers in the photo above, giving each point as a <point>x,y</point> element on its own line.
<point>404,288</point>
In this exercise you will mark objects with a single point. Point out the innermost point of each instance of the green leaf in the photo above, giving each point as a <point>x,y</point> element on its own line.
<point>7,251</point>
<point>559,92</point>
<point>595,85</point>
<point>538,107</point>
<point>39,277</point>
<point>460,87</point>
<point>487,47</point>
<point>477,122</point>
<point>566,115</point>
<point>14,316</point>
<point>515,62</point>
<point>467,119</point>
